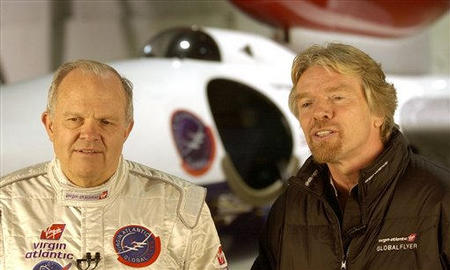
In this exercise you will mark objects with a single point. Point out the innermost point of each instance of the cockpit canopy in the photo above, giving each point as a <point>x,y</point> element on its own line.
<point>183,43</point>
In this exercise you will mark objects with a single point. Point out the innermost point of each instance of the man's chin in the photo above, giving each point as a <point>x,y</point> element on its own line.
<point>325,154</point>
<point>322,159</point>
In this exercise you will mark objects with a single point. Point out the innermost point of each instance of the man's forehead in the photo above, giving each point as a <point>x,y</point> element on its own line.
<point>80,87</point>
<point>327,79</point>
<point>79,79</point>
<point>86,74</point>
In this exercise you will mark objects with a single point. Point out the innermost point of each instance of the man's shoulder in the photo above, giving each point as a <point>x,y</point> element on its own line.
<point>192,197</point>
<point>424,179</point>
<point>151,173</point>
<point>23,174</point>
<point>427,171</point>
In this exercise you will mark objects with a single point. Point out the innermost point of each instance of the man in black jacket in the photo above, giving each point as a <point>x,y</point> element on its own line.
<point>363,200</point>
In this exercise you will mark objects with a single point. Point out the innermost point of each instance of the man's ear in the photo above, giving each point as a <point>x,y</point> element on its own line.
<point>128,130</point>
<point>48,124</point>
<point>378,122</point>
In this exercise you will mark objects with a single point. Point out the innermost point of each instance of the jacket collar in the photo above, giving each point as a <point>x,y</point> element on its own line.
<point>373,179</point>
<point>311,176</point>
<point>386,168</point>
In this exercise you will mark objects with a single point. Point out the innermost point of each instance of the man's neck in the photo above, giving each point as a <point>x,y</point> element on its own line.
<point>86,180</point>
<point>344,180</point>
<point>87,183</point>
<point>343,183</point>
<point>345,173</point>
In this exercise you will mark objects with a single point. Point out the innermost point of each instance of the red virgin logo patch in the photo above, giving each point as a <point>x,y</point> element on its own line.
<point>412,237</point>
<point>220,256</point>
<point>104,195</point>
<point>53,232</point>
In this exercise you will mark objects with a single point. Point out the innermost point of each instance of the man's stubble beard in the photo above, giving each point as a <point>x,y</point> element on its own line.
<point>326,151</point>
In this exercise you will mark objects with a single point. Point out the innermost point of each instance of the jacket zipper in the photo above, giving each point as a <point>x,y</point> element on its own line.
<point>344,265</point>
<point>344,261</point>
<point>344,252</point>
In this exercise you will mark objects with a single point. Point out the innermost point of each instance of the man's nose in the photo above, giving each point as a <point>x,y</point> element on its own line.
<point>90,130</point>
<point>323,110</point>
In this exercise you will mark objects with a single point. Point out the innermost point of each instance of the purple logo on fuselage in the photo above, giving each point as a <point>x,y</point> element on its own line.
<point>194,142</point>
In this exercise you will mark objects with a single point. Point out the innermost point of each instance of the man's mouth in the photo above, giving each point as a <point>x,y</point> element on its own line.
<point>323,133</point>
<point>87,151</point>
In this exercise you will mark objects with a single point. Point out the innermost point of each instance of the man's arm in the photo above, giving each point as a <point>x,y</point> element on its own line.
<point>205,251</point>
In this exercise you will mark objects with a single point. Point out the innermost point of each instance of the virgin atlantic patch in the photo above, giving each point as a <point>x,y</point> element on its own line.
<point>194,142</point>
<point>136,246</point>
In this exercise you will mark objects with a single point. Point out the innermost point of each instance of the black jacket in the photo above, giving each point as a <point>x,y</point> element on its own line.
<point>397,217</point>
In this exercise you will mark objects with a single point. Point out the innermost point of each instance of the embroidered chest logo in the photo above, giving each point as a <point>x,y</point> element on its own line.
<point>397,243</point>
<point>76,196</point>
<point>221,257</point>
<point>50,265</point>
<point>53,232</point>
<point>136,246</point>
<point>50,247</point>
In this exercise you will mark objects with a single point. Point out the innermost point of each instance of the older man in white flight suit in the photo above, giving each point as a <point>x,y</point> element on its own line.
<point>89,208</point>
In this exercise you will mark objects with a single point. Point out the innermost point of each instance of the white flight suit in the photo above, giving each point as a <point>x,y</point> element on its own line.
<point>140,218</point>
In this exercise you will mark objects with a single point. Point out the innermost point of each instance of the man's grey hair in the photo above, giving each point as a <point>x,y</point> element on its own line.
<point>96,68</point>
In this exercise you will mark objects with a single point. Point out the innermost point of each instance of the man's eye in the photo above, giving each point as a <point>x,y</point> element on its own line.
<point>305,104</point>
<point>105,122</point>
<point>338,97</point>
<point>73,122</point>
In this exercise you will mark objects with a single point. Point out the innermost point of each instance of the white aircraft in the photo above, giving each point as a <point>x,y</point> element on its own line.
<point>211,107</point>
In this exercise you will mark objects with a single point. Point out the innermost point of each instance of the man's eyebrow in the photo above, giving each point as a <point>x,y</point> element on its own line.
<point>71,114</point>
<point>341,87</point>
<point>111,117</point>
<point>298,96</point>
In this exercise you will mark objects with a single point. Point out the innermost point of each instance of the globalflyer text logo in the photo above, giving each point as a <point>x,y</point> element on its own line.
<point>397,243</point>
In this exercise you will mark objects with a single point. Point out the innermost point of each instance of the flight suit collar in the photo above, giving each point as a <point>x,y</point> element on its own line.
<point>70,194</point>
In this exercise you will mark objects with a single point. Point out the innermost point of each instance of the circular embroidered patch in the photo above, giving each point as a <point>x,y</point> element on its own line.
<point>136,246</point>
<point>194,142</point>
<point>50,265</point>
